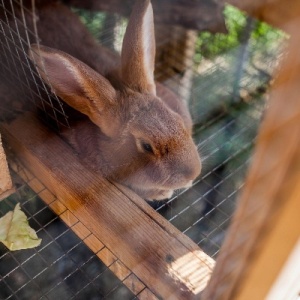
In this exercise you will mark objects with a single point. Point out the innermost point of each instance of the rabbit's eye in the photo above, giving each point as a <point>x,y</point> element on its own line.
<point>147,147</point>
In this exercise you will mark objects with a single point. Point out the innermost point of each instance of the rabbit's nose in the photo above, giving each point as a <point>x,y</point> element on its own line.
<point>192,170</point>
<point>189,173</point>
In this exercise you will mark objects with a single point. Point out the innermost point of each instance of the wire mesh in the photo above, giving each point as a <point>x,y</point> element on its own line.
<point>224,82</point>
<point>63,267</point>
<point>18,31</point>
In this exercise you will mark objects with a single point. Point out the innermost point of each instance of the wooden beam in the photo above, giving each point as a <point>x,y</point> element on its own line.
<point>5,180</point>
<point>266,228</point>
<point>128,278</point>
<point>149,245</point>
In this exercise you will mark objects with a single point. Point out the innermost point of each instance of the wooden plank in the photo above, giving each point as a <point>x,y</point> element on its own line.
<point>47,196</point>
<point>134,284</point>
<point>117,267</point>
<point>147,295</point>
<point>57,207</point>
<point>170,229</point>
<point>107,256</point>
<point>266,228</point>
<point>5,180</point>
<point>81,231</point>
<point>120,270</point>
<point>137,235</point>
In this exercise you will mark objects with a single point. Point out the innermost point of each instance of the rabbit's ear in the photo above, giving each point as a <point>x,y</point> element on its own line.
<point>138,50</point>
<point>77,84</point>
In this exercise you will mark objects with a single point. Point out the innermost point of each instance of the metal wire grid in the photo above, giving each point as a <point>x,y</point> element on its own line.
<point>63,267</point>
<point>16,37</point>
<point>225,133</point>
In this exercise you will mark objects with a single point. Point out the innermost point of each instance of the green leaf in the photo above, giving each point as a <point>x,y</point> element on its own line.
<point>15,232</point>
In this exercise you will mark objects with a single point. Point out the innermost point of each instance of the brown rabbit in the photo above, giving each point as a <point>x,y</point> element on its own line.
<point>140,134</point>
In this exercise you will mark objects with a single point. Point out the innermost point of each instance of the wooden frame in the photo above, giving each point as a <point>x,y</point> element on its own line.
<point>5,180</point>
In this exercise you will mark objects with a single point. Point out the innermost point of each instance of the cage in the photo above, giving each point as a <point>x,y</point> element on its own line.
<point>102,241</point>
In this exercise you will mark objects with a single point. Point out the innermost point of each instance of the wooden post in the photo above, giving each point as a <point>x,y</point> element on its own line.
<point>5,180</point>
<point>266,227</point>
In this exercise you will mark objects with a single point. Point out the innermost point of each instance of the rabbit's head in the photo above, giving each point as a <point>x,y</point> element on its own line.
<point>138,139</point>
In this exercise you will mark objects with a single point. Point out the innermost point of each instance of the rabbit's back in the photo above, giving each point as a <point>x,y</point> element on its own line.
<point>56,26</point>
<point>53,25</point>
<point>59,28</point>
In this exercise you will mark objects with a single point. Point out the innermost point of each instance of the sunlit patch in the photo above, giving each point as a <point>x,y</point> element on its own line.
<point>192,271</point>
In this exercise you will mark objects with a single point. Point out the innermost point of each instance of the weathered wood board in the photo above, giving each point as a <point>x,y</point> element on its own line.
<point>5,180</point>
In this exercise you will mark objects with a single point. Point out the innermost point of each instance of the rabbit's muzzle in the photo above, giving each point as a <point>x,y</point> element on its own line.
<point>158,182</point>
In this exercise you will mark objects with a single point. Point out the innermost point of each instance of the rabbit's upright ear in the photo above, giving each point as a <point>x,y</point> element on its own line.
<point>77,84</point>
<point>138,50</point>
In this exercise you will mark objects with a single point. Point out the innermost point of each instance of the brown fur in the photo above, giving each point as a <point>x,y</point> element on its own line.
<point>121,99</point>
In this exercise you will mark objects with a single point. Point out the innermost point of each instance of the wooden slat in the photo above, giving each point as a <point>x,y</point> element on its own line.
<point>36,185</point>
<point>119,270</point>
<point>107,256</point>
<point>47,196</point>
<point>57,207</point>
<point>81,231</point>
<point>147,295</point>
<point>136,234</point>
<point>117,267</point>
<point>266,226</point>
<point>5,180</point>
<point>134,284</point>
